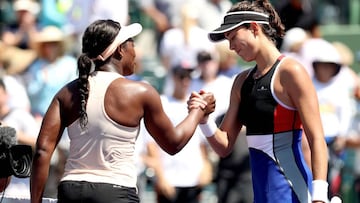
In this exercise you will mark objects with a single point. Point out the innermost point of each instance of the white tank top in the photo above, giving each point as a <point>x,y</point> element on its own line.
<point>104,152</point>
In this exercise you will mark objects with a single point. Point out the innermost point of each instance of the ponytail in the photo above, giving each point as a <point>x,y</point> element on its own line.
<point>84,67</point>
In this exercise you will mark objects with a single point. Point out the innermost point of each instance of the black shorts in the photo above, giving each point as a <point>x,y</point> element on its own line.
<point>88,192</point>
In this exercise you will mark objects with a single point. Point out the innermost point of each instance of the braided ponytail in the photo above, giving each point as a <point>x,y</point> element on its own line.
<point>84,67</point>
<point>99,35</point>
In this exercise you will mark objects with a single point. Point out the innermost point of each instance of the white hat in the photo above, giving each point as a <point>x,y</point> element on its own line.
<point>27,5</point>
<point>326,53</point>
<point>125,33</point>
<point>293,37</point>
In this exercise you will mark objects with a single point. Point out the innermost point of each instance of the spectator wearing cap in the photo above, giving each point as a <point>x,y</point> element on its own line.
<point>182,43</point>
<point>335,107</point>
<point>170,185</point>
<point>51,70</point>
<point>25,27</point>
<point>208,79</point>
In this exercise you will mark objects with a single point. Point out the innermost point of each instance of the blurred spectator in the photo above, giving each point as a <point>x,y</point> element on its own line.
<point>351,171</point>
<point>83,12</point>
<point>228,60</point>
<point>293,40</point>
<point>53,12</point>
<point>25,27</point>
<point>209,80</point>
<point>292,11</point>
<point>43,79</point>
<point>26,133</point>
<point>14,61</point>
<point>212,13</point>
<point>308,51</point>
<point>165,14</point>
<point>51,70</point>
<point>181,44</point>
<point>335,107</point>
<point>292,44</point>
<point>180,178</point>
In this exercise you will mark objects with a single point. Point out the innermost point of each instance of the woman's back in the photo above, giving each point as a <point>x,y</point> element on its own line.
<point>105,145</point>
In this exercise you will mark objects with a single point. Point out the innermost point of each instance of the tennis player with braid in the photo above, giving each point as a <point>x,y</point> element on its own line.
<point>275,100</point>
<point>102,111</point>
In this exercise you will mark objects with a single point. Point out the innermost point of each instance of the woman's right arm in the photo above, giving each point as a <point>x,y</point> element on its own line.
<point>171,139</point>
<point>50,133</point>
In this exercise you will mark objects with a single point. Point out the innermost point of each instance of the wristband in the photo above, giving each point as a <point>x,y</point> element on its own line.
<point>209,128</point>
<point>320,190</point>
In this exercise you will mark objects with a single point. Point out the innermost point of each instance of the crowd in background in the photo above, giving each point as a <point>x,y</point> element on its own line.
<point>39,46</point>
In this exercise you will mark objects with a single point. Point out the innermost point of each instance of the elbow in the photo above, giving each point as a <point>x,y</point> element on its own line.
<point>173,150</point>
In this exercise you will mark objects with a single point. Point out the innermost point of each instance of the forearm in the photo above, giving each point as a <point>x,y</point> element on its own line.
<point>188,126</point>
<point>319,159</point>
<point>39,175</point>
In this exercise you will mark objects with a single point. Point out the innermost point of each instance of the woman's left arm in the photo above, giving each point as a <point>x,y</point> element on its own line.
<point>301,93</point>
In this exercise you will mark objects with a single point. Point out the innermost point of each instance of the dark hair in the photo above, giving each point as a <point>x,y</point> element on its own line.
<point>275,30</point>
<point>2,83</point>
<point>203,56</point>
<point>97,37</point>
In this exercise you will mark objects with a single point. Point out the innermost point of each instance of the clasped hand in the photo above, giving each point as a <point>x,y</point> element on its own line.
<point>203,100</point>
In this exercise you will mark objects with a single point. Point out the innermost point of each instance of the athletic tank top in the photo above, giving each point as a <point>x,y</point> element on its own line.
<point>104,152</point>
<point>274,132</point>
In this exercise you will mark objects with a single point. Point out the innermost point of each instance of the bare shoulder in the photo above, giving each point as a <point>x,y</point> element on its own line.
<point>292,70</point>
<point>135,87</point>
<point>290,65</point>
<point>134,91</point>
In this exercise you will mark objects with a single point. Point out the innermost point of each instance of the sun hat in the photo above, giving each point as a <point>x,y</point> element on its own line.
<point>14,59</point>
<point>27,5</point>
<point>125,33</point>
<point>346,54</point>
<point>235,19</point>
<point>49,34</point>
<point>327,53</point>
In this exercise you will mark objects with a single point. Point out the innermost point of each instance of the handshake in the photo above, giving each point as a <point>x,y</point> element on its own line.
<point>204,101</point>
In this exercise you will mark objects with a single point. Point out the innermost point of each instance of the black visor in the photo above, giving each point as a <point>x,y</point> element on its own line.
<point>233,20</point>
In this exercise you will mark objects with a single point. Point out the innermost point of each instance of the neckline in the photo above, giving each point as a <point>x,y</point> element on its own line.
<point>255,77</point>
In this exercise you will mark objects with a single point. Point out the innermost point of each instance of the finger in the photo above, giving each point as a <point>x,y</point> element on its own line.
<point>201,102</point>
<point>195,94</point>
<point>201,92</point>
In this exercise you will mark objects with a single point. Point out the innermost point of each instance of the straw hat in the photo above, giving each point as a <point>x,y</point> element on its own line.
<point>14,59</point>
<point>49,34</point>
<point>27,5</point>
<point>346,54</point>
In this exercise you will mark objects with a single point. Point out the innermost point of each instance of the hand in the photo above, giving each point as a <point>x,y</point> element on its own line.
<point>203,100</point>
<point>196,101</point>
<point>210,100</point>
